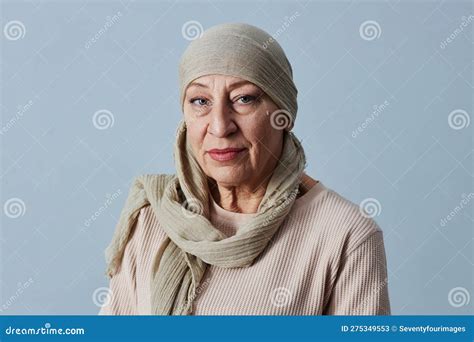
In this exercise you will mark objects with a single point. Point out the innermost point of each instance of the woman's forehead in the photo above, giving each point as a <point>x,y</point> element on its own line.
<point>230,81</point>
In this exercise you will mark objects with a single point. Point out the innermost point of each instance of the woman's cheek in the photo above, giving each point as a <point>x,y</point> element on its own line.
<point>196,135</point>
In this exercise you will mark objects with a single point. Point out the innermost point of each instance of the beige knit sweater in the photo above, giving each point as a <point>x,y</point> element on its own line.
<point>337,265</point>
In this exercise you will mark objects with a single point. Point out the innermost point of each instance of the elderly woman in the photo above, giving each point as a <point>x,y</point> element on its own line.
<point>241,229</point>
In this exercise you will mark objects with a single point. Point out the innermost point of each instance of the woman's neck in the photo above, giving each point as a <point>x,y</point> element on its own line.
<point>245,199</point>
<point>240,199</point>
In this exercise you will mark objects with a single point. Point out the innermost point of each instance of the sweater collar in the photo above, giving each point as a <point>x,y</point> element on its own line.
<point>233,219</point>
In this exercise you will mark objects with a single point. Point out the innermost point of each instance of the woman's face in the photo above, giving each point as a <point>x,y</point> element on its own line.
<point>229,130</point>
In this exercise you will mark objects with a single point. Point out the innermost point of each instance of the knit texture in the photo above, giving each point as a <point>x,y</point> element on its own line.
<point>325,259</point>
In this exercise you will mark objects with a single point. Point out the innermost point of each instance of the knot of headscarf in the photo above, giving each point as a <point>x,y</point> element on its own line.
<point>181,202</point>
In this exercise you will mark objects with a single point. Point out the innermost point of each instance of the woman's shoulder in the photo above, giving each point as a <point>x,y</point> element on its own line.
<point>336,217</point>
<point>146,226</point>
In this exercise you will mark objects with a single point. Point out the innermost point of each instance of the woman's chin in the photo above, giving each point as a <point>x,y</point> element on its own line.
<point>229,176</point>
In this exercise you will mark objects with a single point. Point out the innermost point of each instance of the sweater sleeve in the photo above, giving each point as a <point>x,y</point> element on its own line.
<point>122,299</point>
<point>361,286</point>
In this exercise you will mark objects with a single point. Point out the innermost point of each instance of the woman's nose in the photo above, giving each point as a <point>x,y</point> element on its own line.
<point>221,120</point>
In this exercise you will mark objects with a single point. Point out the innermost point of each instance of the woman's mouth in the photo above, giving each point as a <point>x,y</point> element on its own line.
<point>225,154</point>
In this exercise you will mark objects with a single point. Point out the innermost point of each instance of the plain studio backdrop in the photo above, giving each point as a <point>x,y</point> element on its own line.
<point>90,100</point>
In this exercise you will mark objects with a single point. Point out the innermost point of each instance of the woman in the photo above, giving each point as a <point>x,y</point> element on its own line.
<point>241,229</point>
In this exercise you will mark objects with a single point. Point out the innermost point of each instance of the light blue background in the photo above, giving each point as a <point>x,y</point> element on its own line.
<point>63,168</point>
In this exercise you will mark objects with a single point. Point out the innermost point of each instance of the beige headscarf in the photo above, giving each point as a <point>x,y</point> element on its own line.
<point>181,202</point>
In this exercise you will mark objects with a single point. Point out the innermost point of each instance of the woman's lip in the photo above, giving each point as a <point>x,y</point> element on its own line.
<point>225,150</point>
<point>225,154</point>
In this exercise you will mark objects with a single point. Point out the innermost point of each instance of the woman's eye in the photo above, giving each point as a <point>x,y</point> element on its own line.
<point>246,99</point>
<point>199,101</point>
